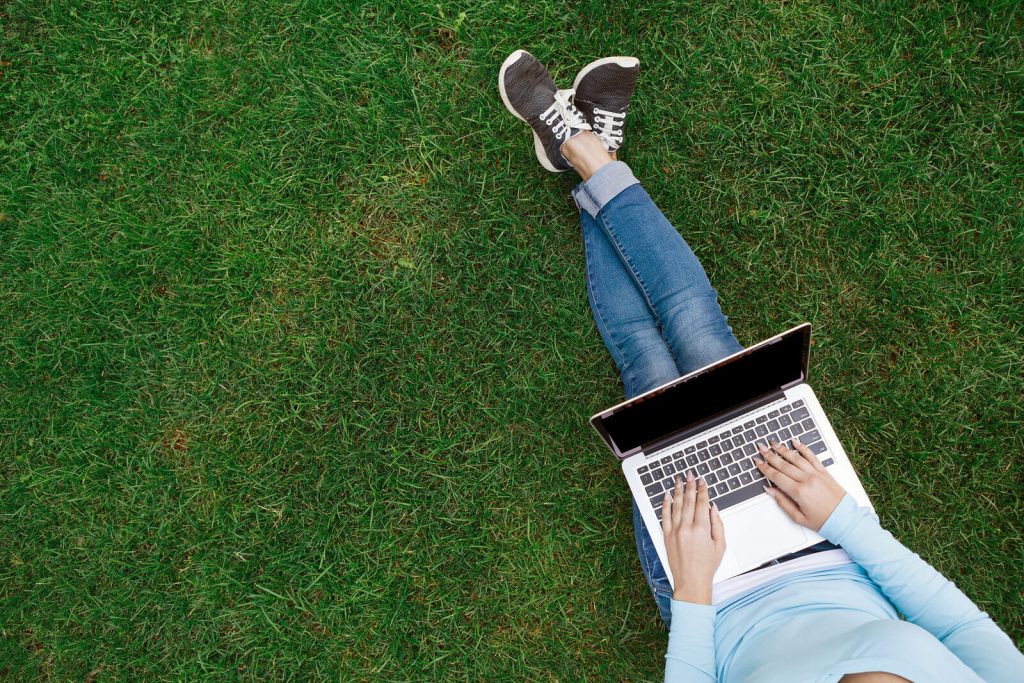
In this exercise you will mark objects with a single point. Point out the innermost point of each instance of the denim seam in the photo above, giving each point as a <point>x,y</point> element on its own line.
<point>644,562</point>
<point>597,311</point>
<point>648,566</point>
<point>592,198</point>
<point>594,207</point>
<point>586,202</point>
<point>617,176</point>
<point>657,591</point>
<point>610,229</point>
<point>648,569</point>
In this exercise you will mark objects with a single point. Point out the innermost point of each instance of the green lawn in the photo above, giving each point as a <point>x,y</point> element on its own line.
<point>295,354</point>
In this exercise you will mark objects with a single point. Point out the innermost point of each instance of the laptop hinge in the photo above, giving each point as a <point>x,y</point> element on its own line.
<point>711,423</point>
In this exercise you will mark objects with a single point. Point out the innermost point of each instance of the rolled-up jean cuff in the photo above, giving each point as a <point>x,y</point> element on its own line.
<point>603,186</point>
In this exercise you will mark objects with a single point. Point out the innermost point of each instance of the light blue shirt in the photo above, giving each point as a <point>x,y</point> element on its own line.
<point>820,625</point>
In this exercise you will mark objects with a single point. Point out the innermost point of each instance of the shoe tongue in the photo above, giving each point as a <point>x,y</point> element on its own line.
<point>574,118</point>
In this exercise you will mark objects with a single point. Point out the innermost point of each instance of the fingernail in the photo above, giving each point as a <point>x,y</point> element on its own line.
<point>702,482</point>
<point>796,439</point>
<point>761,448</point>
<point>689,476</point>
<point>768,491</point>
<point>758,460</point>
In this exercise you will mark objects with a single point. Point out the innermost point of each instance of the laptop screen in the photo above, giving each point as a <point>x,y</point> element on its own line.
<point>687,403</point>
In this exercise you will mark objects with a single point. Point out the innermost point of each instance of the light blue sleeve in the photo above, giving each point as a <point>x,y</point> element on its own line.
<point>691,644</point>
<point>923,595</point>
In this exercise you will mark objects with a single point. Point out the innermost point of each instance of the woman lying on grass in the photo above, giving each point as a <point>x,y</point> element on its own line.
<point>659,318</point>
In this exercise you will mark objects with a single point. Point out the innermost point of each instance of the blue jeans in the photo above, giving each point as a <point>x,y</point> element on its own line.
<point>653,305</point>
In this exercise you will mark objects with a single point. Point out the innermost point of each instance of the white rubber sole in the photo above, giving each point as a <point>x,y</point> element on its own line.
<point>538,147</point>
<point>624,62</point>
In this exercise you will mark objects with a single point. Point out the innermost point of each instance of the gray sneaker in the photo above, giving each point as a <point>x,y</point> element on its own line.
<point>603,90</point>
<point>529,92</point>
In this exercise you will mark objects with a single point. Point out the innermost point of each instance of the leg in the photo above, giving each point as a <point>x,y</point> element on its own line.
<point>694,329</point>
<point>689,314</point>
<point>623,318</point>
<point>634,341</point>
<point>664,268</point>
<point>654,572</point>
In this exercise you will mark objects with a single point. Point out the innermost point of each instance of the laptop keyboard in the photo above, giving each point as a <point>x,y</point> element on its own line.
<point>725,460</point>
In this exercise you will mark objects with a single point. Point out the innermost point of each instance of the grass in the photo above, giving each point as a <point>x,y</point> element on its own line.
<point>296,360</point>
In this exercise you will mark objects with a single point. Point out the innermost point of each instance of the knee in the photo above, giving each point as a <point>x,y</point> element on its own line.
<point>696,304</point>
<point>700,334</point>
<point>646,372</point>
<point>647,361</point>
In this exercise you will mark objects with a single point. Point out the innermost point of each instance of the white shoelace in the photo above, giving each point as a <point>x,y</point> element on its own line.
<point>608,125</point>
<point>563,116</point>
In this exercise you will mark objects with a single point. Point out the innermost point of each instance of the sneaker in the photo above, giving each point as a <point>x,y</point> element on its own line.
<point>603,90</point>
<point>529,92</point>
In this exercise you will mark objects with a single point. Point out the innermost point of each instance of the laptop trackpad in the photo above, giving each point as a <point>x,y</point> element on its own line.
<point>761,532</point>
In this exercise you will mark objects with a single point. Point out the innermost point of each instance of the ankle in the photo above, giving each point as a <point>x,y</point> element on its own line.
<point>586,153</point>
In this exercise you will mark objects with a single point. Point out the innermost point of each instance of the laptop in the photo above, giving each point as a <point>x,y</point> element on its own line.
<point>710,422</point>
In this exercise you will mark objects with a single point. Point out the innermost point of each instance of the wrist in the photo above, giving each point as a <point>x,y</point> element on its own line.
<point>840,521</point>
<point>697,592</point>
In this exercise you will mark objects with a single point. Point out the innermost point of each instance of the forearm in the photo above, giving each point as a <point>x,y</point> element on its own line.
<point>922,594</point>
<point>691,644</point>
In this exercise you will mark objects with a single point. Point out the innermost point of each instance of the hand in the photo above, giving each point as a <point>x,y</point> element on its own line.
<point>694,539</point>
<point>806,490</point>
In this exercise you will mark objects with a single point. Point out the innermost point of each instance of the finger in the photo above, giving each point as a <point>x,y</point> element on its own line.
<point>792,457</point>
<point>787,505</point>
<point>703,513</point>
<point>774,475</point>
<point>784,466</point>
<point>808,454</point>
<point>677,509</point>
<point>689,500</point>
<point>717,528</point>
<point>666,514</point>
